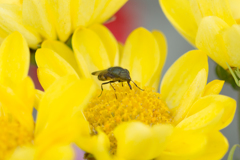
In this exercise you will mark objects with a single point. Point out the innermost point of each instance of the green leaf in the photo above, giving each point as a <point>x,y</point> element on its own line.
<point>231,153</point>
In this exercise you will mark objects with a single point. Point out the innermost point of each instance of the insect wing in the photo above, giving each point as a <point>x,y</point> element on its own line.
<point>96,73</point>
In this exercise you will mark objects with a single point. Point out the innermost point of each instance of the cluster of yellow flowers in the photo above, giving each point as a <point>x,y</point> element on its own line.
<point>181,122</point>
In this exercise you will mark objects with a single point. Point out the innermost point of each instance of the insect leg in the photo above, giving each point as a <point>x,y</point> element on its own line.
<point>129,84</point>
<point>102,87</point>
<point>137,86</point>
<point>113,87</point>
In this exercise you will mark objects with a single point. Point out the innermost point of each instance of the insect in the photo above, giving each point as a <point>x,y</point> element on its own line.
<point>114,74</point>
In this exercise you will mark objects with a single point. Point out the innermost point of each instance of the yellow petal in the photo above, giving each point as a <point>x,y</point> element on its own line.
<point>49,59</point>
<point>209,39</point>
<point>11,20</point>
<point>58,152</point>
<point>162,44</point>
<point>194,91</point>
<point>109,43</point>
<point>35,14</point>
<point>64,132</point>
<point>180,76</point>
<point>98,145</point>
<point>216,148</point>
<point>215,103</point>
<point>17,2</point>
<point>90,51</point>
<point>22,153</point>
<point>141,55</point>
<point>63,50</point>
<point>231,38</point>
<point>99,6</point>
<point>176,11</point>
<point>26,92</point>
<point>112,7</point>
<point>60,16</point>
<point>14,66</point>
<point>219,8</point>
<point>38,96</point>
<point>16,107</point>
<point>234,5</point>
<point>81,12</point>
<point>204,120</point>
<point>213,87</point>
<point>55,105</point>
<point>183,145</point>
<point>139,141</point>
<point>46,77</point>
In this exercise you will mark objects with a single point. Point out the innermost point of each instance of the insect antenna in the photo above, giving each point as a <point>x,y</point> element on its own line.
<point>137,86</point>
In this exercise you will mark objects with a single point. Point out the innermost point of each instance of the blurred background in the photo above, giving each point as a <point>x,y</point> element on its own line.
<point>148,14</point>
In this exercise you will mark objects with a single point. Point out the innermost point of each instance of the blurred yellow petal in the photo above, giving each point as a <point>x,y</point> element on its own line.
<point>112,7</point>
<point>139,141</point>
<point>209,39</point>
<point>216,148</point>
<point>81,12</point>
<point>18,2</point>
<point>213,87</point>
<point>11,20</point>
<point>98,9</point>
<point>49,59</point>
<point>162,44</point>
<point>16,107</point>
<point>231,37</point>
<point>46,77</point>
<point>59,152</point>
<point>60,15</point>
<point>194,91</point>
<point>219,8</point>
<point>180,76</point>
<point>97,144</point>
<point>67,135</point>
<point>63,50</point>
<point>89,50</point>
<point>109,43</point>
<point>14,66</point>
<point>215,101</point>
<point>176,11</point>
<point>23,153</point>
<point>141,49</point>
<point>183,145</point>
<point>35,14</point>
<point>205,120</point>
<point>38,97</point>
<point>26,92</point>
<point>234,5</point>
<point>57,98</point>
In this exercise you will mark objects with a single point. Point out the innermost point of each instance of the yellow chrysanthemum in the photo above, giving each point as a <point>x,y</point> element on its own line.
<point>20,136</point>
<point>38,20</point>
<point>212,26</point>
<point>182,122</point>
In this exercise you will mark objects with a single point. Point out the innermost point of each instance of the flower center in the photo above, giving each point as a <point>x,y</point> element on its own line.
<point>12,134</point>
<point>122,105</point>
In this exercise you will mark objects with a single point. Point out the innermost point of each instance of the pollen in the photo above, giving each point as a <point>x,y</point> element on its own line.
<point>12,135</point>
<point>123,105</point>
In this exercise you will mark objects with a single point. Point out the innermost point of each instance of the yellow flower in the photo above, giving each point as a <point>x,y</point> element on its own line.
<point>58,122</point>
<point>210,25</point>
<point>182,122</point>
<point>50,19</point>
